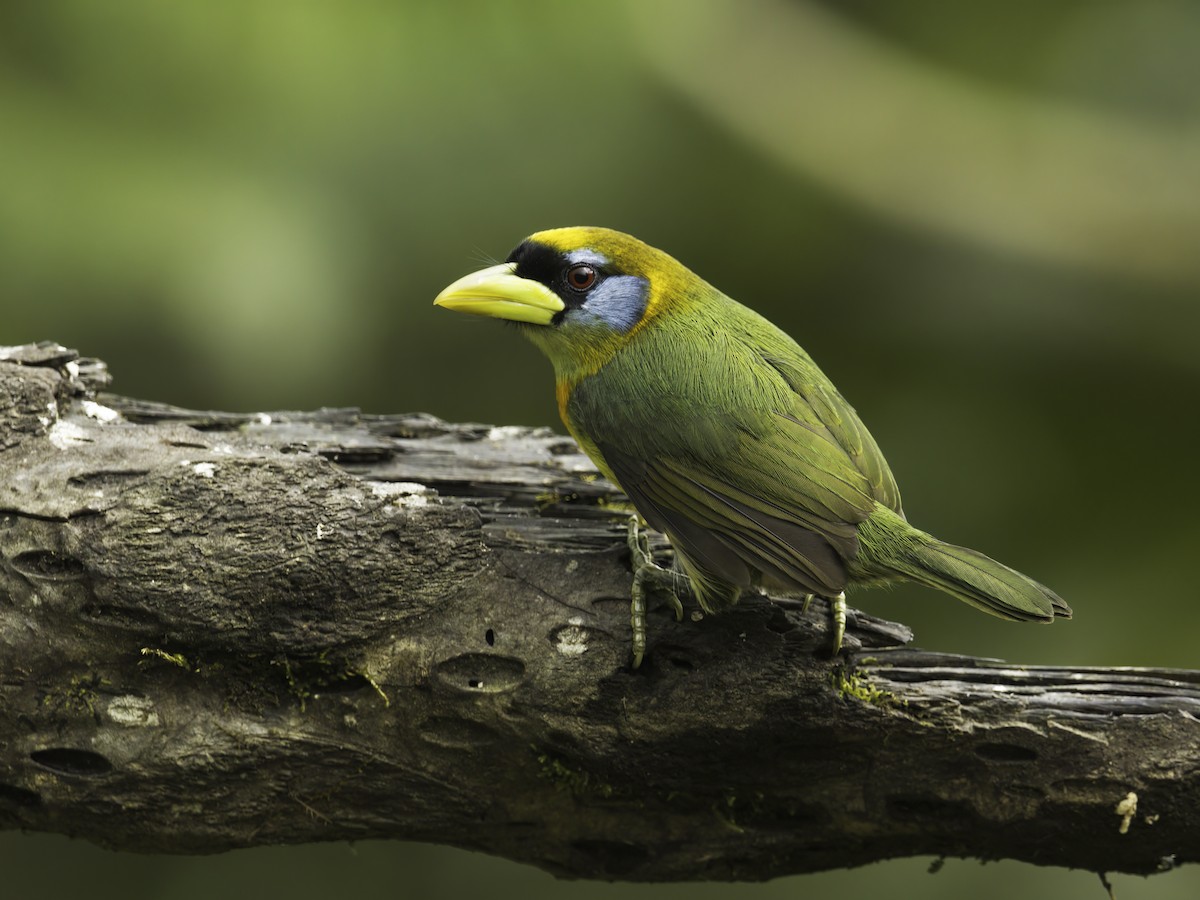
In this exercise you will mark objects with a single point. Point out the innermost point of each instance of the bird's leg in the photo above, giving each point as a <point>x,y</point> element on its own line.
<point>647,575</point>
<point>837,612</point>
<point>837,609</point>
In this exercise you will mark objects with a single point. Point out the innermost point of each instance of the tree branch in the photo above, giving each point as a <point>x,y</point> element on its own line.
<point>221,630</point>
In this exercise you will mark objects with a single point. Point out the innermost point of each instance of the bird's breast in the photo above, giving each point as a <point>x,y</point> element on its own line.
<point>563,391</point>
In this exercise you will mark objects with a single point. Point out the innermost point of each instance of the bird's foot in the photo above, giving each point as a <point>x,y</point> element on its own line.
<point>837,611</point>
<point>837,616</point>
<point>648,575</point>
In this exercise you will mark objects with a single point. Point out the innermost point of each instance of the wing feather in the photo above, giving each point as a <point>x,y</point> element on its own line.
<point>720,528</point>
<point>841,421</point>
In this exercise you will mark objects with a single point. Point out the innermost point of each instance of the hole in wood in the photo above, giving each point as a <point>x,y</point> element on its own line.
<point>69,761</point>
<point>780,623</point>
<point>105,479</point>
<point>481,672</point>
<point>49,565</point>
<point>490,637</point>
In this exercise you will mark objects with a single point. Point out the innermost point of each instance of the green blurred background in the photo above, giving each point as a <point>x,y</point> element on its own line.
<point>982,219</point>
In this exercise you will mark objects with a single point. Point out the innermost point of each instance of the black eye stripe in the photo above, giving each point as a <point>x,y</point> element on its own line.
<point>537,262</point>
<point>552,267</point>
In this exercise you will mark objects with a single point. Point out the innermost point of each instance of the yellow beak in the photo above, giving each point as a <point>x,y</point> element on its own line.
<point>497,292</point>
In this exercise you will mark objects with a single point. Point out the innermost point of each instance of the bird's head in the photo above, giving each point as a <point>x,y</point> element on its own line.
<point>578,293</point>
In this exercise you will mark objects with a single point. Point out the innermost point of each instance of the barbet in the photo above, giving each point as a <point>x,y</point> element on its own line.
<point>723,433</point>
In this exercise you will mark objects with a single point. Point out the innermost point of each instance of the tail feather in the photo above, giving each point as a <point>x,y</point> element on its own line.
<point>983,583</point>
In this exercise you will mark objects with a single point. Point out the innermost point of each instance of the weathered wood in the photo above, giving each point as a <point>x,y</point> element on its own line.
<point>220,630</point>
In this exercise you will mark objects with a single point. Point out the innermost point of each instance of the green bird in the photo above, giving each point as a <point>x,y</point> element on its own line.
<point>723,433</point>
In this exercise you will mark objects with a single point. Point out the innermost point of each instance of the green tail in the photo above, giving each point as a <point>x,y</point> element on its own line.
<point>986,584</point>
<point>966,574</point>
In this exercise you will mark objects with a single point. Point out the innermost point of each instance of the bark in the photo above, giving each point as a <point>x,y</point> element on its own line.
<point>221,630</point>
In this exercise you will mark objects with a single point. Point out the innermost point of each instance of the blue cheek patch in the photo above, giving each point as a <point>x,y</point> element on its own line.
<point>619,301</point>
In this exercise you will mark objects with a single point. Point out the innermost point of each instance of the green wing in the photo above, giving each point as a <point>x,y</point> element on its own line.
<point>843,427</point>
<point>729,439</point>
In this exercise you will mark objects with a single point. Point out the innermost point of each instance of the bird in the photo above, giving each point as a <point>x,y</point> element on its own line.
<point>724,434</point>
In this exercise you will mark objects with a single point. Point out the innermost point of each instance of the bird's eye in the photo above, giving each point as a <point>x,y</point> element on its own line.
<point>581,278</point>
